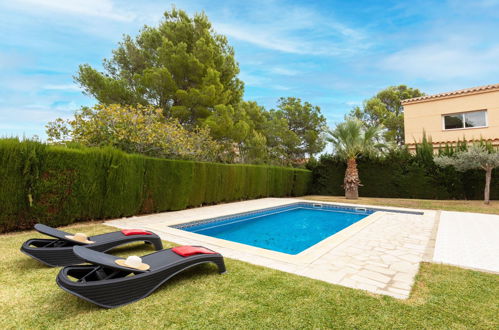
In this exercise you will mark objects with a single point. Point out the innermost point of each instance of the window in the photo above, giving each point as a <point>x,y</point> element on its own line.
<point>475,119</point>
<point>465,120</point>
<point>454,121</point>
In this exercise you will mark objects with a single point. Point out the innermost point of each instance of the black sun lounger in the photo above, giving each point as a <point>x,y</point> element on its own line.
<point>59,250</point>
<point>109,285</point>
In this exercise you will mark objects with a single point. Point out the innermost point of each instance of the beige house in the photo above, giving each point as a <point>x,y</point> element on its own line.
<point>466,114</point>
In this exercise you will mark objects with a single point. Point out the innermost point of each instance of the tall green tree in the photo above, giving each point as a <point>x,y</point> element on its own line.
<point>181,66</point>
<point>475,157</point>
<point>282,143</point>
<point>306,122</point>
<point>282,137</point>
<point>385,109</point>
<point>351,139</point>
<point>253,148</point>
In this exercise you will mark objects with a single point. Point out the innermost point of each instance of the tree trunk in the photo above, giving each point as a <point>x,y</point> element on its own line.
<point>351,182</point>
<point>486,193</point>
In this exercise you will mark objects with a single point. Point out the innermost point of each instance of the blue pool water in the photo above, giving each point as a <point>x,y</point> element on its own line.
<point>290,229</point>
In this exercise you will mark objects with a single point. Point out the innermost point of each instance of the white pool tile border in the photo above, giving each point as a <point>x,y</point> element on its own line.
<point>388,269</point>
<point>305,257</point>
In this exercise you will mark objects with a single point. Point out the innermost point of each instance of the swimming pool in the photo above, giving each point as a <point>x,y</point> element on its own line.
<point>289,229</point>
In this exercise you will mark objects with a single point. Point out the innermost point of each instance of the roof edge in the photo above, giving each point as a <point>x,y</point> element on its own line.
<point>466,91</point>
<point>493,140</point>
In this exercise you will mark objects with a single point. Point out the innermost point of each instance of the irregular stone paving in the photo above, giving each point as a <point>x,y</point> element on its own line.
<point>381,258</point>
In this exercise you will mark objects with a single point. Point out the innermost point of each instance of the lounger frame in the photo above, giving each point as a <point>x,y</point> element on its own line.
<point>109,285</point>
<point>58,251</point>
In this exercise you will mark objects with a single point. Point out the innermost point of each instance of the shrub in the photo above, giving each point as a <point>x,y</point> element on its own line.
<point>475,157</point>
<point>136,129</point>
<point>401,175</point>
<point>60,185</point>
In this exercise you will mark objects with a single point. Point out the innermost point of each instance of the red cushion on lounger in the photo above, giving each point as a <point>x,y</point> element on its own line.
<point>187,250</point>
<point>129,232</point>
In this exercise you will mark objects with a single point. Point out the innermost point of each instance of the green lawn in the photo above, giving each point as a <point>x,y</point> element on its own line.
<point>247,297</point>
<point>428,204</point>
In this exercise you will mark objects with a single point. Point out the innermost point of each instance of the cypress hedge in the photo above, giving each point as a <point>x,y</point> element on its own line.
<point>60,185</point>
<point>402,175</point>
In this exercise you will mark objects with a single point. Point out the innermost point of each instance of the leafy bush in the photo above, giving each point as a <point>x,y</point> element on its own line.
<point>60,185</point>
<point>136,129</point>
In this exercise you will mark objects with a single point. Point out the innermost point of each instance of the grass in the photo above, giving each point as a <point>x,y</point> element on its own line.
<point>247,297</point>
<point>429,204</point>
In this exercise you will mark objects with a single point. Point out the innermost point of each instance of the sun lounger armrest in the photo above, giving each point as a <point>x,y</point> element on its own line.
<point>101,259</point>
<point>52,232</point>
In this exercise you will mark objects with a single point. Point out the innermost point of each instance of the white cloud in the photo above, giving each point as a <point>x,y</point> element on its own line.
<point>296,30</point>
<point>263,38</point>
<point>19,83</point>
<point>68,108</point>
<point>281,87</point>
<point>289,41</point>
<point>444,61</point>
<point>252,80</point>
<point>12,60</point>
<point>96,8</point>
<point>37,114</point>
<point>284,71</point>
<point>62,87</point>
<point>484,3</point>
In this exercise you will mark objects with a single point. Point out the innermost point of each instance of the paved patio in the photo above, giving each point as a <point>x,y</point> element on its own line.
<point>469,240</point>
<point>381,255</point>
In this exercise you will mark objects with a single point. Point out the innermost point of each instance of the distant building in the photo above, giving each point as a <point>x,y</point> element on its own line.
<point>467,114</point>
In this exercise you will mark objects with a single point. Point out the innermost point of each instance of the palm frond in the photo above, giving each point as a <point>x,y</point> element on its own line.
<point>352,138</point>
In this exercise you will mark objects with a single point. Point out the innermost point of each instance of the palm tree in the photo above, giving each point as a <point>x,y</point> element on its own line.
<point>351,139</point>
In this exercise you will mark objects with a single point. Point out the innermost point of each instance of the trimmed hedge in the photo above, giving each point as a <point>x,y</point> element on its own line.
<point>58,186</point>
<point>401,175</point>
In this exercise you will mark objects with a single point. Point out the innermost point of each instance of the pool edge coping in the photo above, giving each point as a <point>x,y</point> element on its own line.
<point>308,255</point>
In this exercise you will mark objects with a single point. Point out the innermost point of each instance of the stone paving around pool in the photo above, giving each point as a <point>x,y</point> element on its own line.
<point>382,256</point>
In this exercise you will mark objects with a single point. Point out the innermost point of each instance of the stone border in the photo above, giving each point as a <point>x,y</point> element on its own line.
<point>430,247</point>
<point>285,207</point>
<point>304,257</point>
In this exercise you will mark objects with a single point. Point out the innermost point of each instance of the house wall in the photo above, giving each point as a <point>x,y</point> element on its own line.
<point>427,115</point>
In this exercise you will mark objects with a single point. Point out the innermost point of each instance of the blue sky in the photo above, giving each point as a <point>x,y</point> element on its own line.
<point>333,54</point>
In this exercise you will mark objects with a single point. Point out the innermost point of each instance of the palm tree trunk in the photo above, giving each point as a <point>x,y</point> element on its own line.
<point>486,193</point>
<point>351,182</point>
